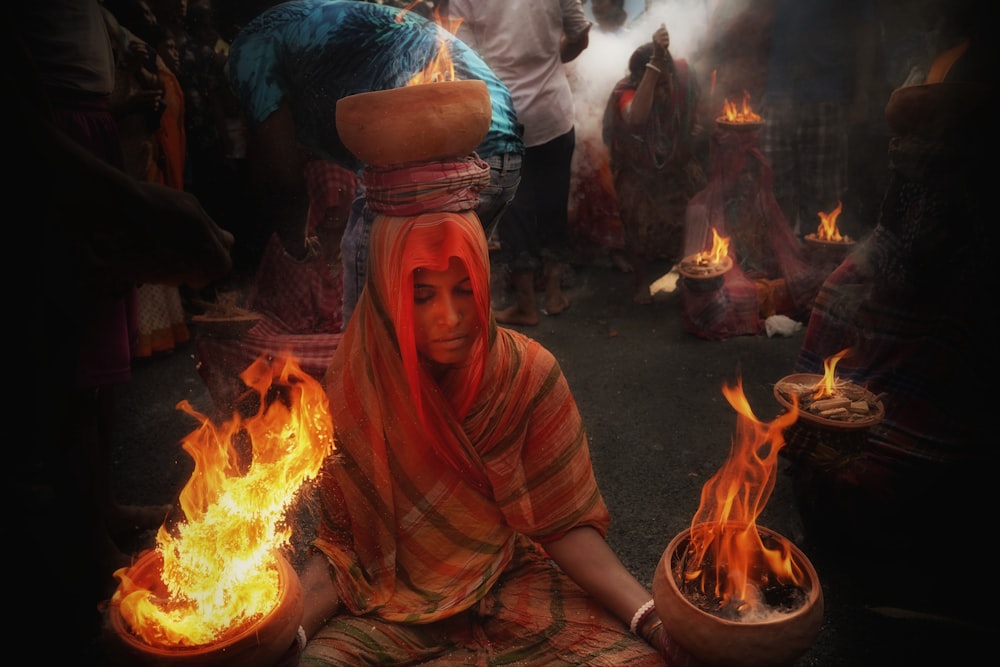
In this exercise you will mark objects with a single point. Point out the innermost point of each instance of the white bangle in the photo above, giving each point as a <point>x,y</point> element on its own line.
<point>654,68</point>
<point>300,636</point>
<point>639,616</point>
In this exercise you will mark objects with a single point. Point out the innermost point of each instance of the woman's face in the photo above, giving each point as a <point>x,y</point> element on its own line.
<point>444,311</point>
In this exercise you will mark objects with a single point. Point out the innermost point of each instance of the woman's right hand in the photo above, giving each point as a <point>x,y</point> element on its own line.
<point>661,43</point>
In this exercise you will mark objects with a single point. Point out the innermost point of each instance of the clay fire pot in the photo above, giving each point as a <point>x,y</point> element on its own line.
<point>258,645</point>
<point>721,642</point>
<point>419,123</point>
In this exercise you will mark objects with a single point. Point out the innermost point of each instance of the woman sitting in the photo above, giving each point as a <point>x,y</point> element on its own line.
<point>460,521</point>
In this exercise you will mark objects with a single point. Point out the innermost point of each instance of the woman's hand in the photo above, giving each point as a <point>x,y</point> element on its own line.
<point>661,43</point>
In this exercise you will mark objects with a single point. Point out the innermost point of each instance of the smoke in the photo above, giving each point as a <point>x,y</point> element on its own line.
<point>604,62</point>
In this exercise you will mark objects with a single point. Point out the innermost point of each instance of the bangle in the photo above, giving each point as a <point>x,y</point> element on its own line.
<point>300,636</point>
<point>640,616</point>
<point>654,68</point>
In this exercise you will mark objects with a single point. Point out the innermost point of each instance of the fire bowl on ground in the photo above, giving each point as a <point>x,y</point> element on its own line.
<point>846,243</point>
<point>257,644</point>
<point>739,126</point>
<point>778,640</point>
<point>702,275</point>
<point>699,269</point>
<point>851,407</point>
<point>419,123</point>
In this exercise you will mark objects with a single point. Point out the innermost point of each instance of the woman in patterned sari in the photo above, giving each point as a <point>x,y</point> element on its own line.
<point>650,128</point>
<point>459,518</point>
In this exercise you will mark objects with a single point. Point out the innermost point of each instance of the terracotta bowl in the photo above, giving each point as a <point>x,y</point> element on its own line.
<point>856,392</point>
<point>813,239</point>
<point>689,268</point>
<point>260,644</point>
<point>420,123</point>
<point>720,642</point>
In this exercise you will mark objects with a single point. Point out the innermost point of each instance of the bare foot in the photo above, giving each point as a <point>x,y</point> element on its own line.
<point>642,296</point>
<point>619,261</point>
<point>555,304</point>
<point>514,315</point>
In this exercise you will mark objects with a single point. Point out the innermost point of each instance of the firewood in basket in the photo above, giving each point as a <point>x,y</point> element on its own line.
<point>833,412</point>
<point>860,407</point>
<point>829,404</point>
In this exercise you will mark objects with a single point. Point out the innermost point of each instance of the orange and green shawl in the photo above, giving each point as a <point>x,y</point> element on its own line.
<point>431,483</point>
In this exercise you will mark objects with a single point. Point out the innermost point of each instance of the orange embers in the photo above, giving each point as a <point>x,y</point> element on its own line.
<point>219,569</point>
<point>731,113</point>
<point>727,560</point>
<point>828,230</point>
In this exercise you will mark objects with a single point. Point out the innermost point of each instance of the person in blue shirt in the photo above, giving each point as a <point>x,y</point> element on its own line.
<point>289,66</point>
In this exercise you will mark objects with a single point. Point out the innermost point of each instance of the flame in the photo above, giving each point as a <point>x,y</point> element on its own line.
<point>744,114</point>
<point>828,230</point>
<point>441,68</point>
<point>827,386</point>
<point>727,560</point>
<point>718,252</point>
<point>219,568</point>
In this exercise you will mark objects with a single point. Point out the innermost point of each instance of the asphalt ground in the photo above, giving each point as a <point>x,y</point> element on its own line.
<point>659,427</point>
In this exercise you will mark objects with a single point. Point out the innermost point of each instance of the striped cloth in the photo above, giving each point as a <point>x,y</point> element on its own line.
<point>301,301</point>
<point>443,185</point>
<point>456,482</point>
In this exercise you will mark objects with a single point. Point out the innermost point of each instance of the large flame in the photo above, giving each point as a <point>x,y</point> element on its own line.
<point>717,253</point>
<point>219,568</point>
<point>441,67</point>
<point>741,114</point>
<point>826,387</point>
<point>828,230</point>
<point>727,559</point>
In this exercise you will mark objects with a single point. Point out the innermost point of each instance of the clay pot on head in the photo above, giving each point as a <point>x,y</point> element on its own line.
<point>719,642</point>
<point>419,123</point>
<point>260,644</point>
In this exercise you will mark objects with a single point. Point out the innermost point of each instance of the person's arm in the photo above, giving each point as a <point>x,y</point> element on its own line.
<point>142,232</point>
<point>320,598</point>
<point>277,161</point>
<point>641,106</point>
<point>576,31</point>
<point>588,559</point>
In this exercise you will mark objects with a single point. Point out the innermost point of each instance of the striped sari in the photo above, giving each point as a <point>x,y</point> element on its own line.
<point>436,506</point>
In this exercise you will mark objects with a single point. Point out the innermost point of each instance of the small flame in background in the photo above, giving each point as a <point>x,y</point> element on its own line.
<point>441,68</point>
<point>219,565</point>
<point>742,114</point>
<point>717,253</point>
<point>828,230</point>
<point>826,387</point>
<point>727,560</point>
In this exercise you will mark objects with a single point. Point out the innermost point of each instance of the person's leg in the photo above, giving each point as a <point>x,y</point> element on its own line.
<point>554,170</point>
<point>519,245</point>
<point>524,310</point>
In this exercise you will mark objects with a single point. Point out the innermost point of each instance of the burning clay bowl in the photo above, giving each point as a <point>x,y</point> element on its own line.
<point>742,127</point>
<point>690,268</point>
<point>419,123</point>
<point>260,644</point>
<point>800,384</point>
<point>777,642</point>
<point>813,239</point>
